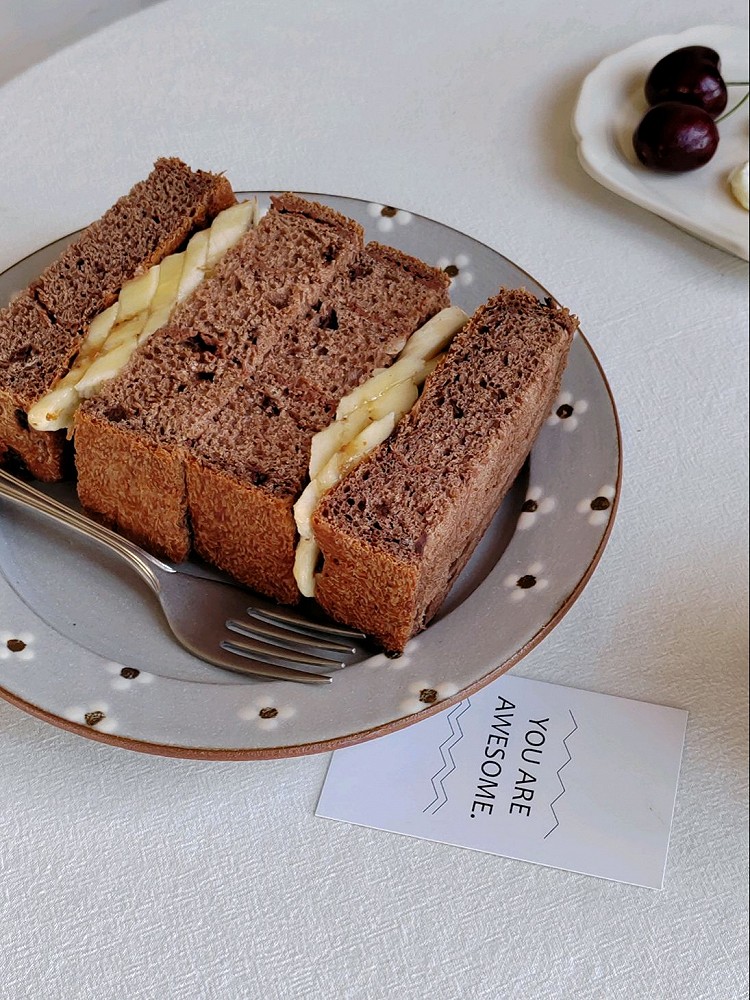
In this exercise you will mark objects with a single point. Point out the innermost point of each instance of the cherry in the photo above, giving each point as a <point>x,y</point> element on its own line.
<point>692,53</point>
<point>683,76</point>
<point>675,63</point>
<point>675,137</point>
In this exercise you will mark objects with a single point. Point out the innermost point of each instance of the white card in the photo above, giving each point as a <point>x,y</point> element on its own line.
<point>527,770</point>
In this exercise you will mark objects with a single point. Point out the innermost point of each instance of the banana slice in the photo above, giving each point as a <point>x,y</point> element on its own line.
<point>53,412</point>
<point>98,332</point>
<point>229,227</point>
<point>196,256</point>
<point>738,183</point>
<point>136,295</point>
<point>304,507</point>
<point>123,333</point>
<point>169,281</point>
<point>327,442</point>
<point>365,442</point>
<point>105,367</point>
<point>399,399</point>
<point>436,334</point>
<point>403,370</point>
<point>305,560</point>
<point>156,319</point>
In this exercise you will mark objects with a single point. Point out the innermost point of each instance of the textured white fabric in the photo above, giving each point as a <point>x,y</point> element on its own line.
<point>125,876</point>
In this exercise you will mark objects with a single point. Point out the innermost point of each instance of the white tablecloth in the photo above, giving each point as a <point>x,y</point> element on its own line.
<point>126,876</point>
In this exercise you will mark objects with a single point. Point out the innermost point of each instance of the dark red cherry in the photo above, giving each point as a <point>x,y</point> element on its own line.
<point>699,84</point>
<point>698,53</point>
<point>691,75</point>
<point>675,62</point>
<point>675,137</point>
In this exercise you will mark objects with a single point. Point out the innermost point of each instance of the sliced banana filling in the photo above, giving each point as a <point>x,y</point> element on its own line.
<point>364,419</point>
<point>144,305</point>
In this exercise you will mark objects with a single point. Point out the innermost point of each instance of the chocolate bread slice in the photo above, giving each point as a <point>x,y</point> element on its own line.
<point>365,319</point>
<point>42,331</point>
<point>131,440</point>
<point>32,352</point>
<point>396,532</point>
<point>128,439</point>
<point>247,469</point>
<point>266,283</point>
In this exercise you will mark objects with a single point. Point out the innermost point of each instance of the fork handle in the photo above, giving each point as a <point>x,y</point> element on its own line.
<point>26,496</point>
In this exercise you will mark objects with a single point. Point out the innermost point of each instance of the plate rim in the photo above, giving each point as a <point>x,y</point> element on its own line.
<point>280,752</point>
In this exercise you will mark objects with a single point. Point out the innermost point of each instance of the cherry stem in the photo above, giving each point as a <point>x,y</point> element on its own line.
<point>737,83</point>
<point>732,111</point>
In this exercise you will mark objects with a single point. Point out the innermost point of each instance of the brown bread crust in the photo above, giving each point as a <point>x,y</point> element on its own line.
<point>396,532</point>
<point>127,474</point>
<point>365,587</point>
<point>245,530</point>
<point>41,332</point>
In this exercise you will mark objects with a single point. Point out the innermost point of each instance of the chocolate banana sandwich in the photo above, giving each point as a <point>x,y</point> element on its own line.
<point>397,530</point>
<point>310,415</point>
<point>202,442</point>
<point>69,312</point>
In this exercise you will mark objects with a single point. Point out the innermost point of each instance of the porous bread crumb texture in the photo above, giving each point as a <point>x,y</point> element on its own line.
<point>268,280</point>
<point>292,318</point>
<point>170,386</point>
<point>396,532</point>
<point>32,352</point>
<point>153,220</point>
<point>172,389</point>
<point>364,320</point>
<point>262,433</point>
<point>42,330</point>
<point>254,456</point>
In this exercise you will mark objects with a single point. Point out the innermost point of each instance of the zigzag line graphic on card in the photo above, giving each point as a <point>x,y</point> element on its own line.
<point>564,764</point>
<point>448,764</point>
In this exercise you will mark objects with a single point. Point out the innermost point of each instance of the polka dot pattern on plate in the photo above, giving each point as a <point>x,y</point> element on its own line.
<point>16,646</point>
<point>540,547</point>
<point>567,411</point>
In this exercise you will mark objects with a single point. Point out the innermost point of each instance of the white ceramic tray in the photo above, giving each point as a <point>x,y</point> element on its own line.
<point>610,105</point>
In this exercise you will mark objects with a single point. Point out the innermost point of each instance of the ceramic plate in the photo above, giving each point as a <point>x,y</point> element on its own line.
<point>83,645</point>
<point>610,105</point>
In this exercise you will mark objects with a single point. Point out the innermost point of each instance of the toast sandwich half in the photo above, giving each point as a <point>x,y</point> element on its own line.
<point>44,327</point>
<point>303,411</point>
<point>202,442</point>
<point>398,529</point>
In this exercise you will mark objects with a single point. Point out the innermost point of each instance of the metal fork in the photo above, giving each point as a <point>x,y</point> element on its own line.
<point>217,621</point>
